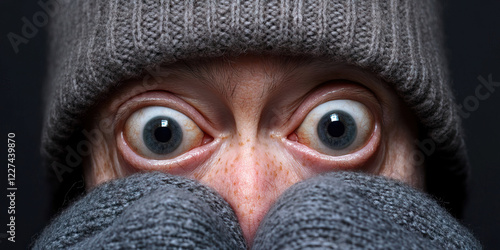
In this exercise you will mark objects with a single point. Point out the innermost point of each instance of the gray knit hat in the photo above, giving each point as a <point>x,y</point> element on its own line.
<point>96,44</point>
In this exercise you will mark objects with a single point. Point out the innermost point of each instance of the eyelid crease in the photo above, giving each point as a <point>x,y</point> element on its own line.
<point>334,90</point>
<point>164,99</point>
<point>381,90</point>
<point>308,134</point>
<point>136,124</point>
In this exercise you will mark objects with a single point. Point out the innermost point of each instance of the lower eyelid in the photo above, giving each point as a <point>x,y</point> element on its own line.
<point>322,162</point>
<point>137,122</point>
<point>182,164</point>
<point>306,133</point>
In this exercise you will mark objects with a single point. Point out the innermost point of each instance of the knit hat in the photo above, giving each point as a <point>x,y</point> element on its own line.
<point>97,44</point>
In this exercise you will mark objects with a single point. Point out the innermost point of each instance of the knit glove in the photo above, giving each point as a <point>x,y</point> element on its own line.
<point>152,210</point>
<point>344,210</point>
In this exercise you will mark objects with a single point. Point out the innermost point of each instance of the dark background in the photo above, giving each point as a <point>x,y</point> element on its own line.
<point>473,41</point>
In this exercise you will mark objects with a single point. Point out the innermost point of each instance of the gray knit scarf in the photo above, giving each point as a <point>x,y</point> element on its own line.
<point>335,211</point>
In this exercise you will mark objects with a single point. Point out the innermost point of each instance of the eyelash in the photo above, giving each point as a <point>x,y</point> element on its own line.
<point>160,133</point>
<point>163,99</point>
<point>339,127</point>
<point>141,136</point>
<point>199,152</point>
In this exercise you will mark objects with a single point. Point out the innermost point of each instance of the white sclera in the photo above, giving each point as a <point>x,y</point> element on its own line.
<point>192,135</point>
<point>307,131</point>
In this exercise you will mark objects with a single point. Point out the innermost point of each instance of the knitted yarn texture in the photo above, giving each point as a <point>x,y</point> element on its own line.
<point>97,44</point>
<point>334,211</point>
<point>146,211</point>
<point>356,211</point>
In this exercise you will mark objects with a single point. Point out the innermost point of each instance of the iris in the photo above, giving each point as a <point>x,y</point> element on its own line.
<point>337,129</point>
<point>162,135</point>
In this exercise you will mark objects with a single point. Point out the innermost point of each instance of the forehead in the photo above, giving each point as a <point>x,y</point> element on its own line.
<point>273,78</point>
<point>205,66</point>
<point>223,69</point>
<point>220,73</point>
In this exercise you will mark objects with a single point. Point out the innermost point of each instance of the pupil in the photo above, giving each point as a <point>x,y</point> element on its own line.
<point>163,134</point>
<point>336,129</point>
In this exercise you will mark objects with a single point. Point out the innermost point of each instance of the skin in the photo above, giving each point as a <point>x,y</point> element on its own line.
<point>249,110</point>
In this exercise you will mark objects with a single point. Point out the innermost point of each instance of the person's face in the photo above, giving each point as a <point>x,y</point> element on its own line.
<point>252,126</point>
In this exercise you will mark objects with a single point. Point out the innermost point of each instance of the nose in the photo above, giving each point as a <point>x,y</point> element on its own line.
<point>250,176</point>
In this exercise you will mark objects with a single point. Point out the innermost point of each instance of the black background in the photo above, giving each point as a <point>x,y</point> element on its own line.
<point>473,41</point>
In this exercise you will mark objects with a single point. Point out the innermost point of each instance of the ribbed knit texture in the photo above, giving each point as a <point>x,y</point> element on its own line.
<point>356,211</point>
<point>338,210</point>
<point>146,211</point>
<point>95,44</point>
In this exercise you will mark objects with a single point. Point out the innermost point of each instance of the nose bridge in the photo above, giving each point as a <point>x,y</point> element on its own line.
<point>251,165</point>
<point>248,179</point>
<point>251,169</point>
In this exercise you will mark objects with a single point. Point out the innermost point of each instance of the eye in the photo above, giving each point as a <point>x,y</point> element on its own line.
<point>161,133</point>
<point>336,127</point>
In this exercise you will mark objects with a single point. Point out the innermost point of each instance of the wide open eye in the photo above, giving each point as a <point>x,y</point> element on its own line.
<point>336,127</point>
<point>161,133</point>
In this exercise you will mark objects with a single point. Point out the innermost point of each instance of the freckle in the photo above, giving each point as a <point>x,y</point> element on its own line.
<point>253,148</point>
<point>236,193</point>
<point>239,134</point>
<point>248,140</point>
<point>217,171</point>
<point>281,167</point>
<point>234,184</point>
<point>218,160</point>
<point>225,170</point>
<point>251,211</point>
<point>241,143</point>
<point>259,197</point>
